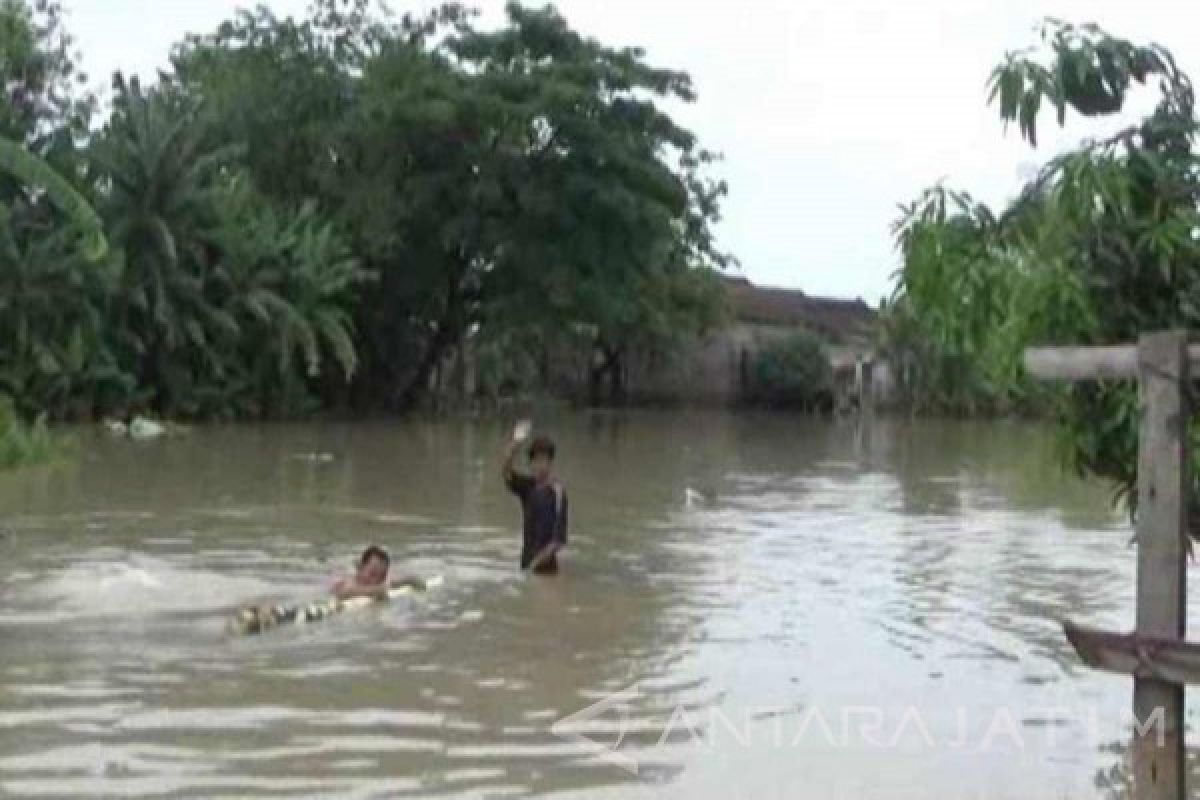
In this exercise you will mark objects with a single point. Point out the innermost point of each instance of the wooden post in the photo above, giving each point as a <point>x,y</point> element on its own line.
<point>1163,483</point>
<point>1155,654</point>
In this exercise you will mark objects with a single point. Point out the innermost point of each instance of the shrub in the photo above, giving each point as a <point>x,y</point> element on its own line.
<point>792,372</point>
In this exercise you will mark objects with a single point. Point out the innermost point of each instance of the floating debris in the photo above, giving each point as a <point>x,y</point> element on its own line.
<point>693,498</point>
<point>116,427</point>
<point>314,458</point>
<point>146,428</point>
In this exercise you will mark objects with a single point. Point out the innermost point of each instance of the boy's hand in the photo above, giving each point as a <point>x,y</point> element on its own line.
<point>544,555</point>
<point>522,430</point>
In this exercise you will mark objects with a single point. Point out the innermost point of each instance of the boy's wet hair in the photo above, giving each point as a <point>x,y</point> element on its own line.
<point>375,551</point>
<point>541,446</point>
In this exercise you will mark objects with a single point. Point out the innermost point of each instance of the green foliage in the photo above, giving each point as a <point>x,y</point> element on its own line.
<point>521,178</point>
<point>308,213</point>
<point>1101,247</point>
<point>792,372</point>
<point>17,161</point>
<point>22,443</point>
<point>1129,206</point>
<point>41,107</point>
<point>287,280</point>
<point>973,291</point>
<point>54,355</point>
<point>161,216</point>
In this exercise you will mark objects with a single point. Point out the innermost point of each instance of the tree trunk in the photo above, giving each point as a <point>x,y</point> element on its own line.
<point>611,371</point>
<point>450,328</point>
<point>616,378</point>
<point>419,381</point>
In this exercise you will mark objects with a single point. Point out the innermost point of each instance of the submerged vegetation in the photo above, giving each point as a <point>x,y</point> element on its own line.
<point>21,442</point>
<point>313,214</point>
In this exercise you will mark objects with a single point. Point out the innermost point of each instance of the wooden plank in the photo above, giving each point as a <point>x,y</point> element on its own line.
<point>1089,363</point>
<point>1161,535</point>
<point>1166,659</point>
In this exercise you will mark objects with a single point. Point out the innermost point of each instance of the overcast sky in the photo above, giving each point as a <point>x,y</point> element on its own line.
<point>828,113</point>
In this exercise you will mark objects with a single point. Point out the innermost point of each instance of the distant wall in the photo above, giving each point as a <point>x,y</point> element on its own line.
<point>714,371</point>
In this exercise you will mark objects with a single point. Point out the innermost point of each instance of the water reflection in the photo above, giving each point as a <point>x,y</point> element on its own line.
<point>732,576</point>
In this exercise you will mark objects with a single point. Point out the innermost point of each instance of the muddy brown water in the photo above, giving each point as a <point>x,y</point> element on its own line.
<point>751,606</point>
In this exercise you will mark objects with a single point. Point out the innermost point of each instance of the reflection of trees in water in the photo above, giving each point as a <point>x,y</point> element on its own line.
<point>923,458</point>
<point>936,461</point>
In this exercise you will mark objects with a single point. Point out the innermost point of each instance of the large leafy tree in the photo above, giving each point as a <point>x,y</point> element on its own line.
<point>515,179</point>
<point>599,208</point>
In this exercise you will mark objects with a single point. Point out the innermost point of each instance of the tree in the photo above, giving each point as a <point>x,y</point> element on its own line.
<point>974,289</point>
<point>308,213</point>
<point>162,171</point>
<point>53,358</point>
<point>40,176</point>
<point>522,177</point>
<point>52,246</point>
<point>228,302</point>
<point>289,281</point>
<point>605,212</point>
<point>1129,208</point>
<point>40,78</point>
<point>1098,248</point>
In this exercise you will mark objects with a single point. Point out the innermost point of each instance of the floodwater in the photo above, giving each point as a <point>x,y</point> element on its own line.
<point>750,606</point>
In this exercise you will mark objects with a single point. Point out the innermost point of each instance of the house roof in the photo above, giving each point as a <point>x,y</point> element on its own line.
<point>835,319</point>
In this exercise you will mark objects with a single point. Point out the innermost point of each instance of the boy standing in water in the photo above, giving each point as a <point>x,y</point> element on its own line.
<point>543,502</point>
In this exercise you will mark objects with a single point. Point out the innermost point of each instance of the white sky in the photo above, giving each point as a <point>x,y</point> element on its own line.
<point>828,113</point>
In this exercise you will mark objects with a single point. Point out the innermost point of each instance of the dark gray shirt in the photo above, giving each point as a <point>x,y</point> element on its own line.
<point>545,511</point>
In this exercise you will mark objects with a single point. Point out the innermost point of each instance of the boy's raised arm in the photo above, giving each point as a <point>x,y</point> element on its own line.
<point>520,432</point>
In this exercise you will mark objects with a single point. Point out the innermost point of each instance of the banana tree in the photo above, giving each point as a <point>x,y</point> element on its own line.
<point>16,160</point>
<point>289,281</point>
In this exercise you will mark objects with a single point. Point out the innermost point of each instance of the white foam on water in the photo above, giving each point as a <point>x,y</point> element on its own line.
<point>137,585</point>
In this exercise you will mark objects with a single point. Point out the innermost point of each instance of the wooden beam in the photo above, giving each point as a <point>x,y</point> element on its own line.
<point>1090,363</point>
<point>1163,483</point>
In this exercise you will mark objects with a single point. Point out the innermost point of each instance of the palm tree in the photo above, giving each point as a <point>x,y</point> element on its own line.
<point>160,173</point>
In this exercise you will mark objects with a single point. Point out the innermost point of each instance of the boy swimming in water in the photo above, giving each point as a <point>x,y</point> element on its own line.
<point>370,578</point>
<point>370,581</point>
<point>543,502</point>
